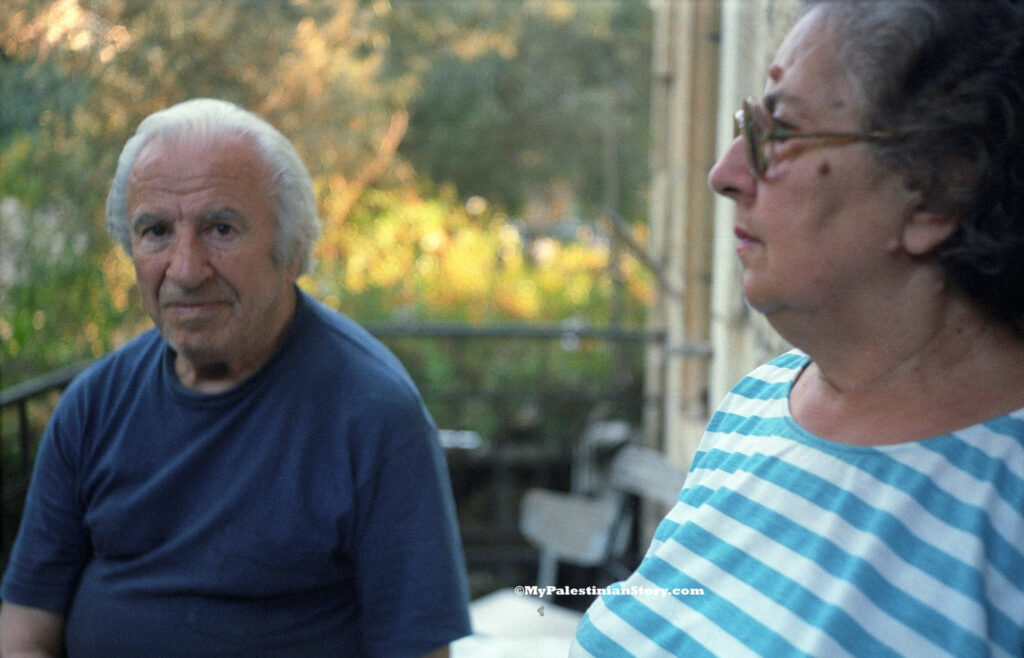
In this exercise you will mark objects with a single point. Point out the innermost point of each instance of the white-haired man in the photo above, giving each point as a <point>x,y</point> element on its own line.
<point>256,475</point>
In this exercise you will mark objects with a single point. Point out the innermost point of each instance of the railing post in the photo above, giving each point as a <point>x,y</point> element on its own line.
<point>24,437</point>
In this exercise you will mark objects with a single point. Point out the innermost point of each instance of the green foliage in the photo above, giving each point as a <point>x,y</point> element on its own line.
<point>561,95</point>
<point>38,88</point>
<point>524,390</point>
<point>437,132</point>
<point>57,306</point>
<point>402,258</point>
<point>401,109</point>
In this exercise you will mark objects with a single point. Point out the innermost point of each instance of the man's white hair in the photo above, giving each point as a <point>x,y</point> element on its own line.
<point>295,212</point>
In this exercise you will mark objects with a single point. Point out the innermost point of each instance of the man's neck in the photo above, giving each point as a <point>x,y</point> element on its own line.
<point>216,373</point>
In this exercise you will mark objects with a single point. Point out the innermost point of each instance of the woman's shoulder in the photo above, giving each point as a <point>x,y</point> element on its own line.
<point>773,378</point>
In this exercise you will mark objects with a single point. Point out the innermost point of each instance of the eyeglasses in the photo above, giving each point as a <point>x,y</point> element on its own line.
<point>752,122</point>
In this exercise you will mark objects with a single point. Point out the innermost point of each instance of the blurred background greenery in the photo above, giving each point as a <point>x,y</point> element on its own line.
<point>467,154</point>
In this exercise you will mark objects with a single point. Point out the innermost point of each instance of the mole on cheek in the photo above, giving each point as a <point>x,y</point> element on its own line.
<point>824,169</point>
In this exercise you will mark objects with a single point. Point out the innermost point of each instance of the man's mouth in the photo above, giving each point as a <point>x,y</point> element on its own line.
<point>192,308</point>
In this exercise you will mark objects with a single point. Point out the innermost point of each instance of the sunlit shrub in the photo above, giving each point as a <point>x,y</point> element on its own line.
<point>409,258</point>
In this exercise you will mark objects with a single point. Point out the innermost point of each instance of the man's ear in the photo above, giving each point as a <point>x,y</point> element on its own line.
<point>926,229</point>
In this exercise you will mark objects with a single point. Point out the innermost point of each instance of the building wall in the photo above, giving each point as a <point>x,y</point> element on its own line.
<point>708,56</point>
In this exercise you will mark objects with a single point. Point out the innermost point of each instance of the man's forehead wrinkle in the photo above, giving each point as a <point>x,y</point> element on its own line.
<point>147,173</point>
<point>153,156</point>
<point>172,182</point>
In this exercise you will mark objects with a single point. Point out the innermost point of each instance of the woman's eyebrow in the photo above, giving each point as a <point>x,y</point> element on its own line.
<point>772,99</point>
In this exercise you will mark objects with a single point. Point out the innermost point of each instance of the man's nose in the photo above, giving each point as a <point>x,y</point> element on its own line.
<point>189,264</point>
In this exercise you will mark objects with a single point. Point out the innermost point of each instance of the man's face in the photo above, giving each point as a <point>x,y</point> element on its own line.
<point>202,228</point>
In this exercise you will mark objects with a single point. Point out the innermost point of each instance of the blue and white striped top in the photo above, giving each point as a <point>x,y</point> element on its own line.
<point>785,544</point>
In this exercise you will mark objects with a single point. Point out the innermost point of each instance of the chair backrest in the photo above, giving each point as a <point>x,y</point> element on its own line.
<point>575,528</point>
<point>595,530</point>
<point>598,443</point>
<point>646,473</point>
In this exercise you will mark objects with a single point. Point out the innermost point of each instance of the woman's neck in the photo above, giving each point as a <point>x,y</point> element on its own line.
<point>903,381</point>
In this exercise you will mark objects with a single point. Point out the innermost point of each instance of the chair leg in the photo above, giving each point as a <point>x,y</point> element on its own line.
<point>547,569</point>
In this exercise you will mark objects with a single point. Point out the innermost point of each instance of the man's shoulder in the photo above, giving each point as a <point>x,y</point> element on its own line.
<point>348,333</point>
<point>338,366</point>
<point>108,385</point>
<point>121,365</point>
<point>344,347</point>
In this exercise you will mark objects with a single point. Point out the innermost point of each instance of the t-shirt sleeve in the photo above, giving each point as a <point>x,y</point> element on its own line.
<point>52,546</point>
<point>411,578</point>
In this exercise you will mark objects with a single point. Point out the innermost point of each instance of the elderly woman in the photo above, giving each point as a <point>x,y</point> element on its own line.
<point>863,495</point>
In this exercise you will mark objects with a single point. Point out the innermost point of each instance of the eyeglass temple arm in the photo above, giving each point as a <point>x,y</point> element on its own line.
<point>781,134</point>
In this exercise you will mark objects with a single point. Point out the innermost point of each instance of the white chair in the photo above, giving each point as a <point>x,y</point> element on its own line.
<point>594,531</point>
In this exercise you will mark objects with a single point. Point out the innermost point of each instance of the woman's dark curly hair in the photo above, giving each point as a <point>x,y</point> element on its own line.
<point>948,75</point>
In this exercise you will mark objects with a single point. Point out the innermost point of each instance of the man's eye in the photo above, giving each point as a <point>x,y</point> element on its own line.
<point>156,231</point>
<point>223,229</point>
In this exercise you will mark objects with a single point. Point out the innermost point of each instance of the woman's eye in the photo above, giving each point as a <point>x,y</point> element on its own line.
<point>779,131</point>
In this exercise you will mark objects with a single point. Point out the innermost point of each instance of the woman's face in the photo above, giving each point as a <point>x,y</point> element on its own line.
<point>822,225</point>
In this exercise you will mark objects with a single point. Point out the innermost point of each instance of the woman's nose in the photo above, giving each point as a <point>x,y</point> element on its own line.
<point>730,176</point>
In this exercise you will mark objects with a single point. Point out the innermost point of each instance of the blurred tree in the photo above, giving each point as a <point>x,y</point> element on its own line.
<point>497,97</point>
<point>534,91</point>
<point>85,74</point>
<point>405,258</point>
<point>427,125</point>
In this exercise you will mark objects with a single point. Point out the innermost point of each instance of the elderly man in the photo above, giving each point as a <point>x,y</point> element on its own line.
<point>256,475</point>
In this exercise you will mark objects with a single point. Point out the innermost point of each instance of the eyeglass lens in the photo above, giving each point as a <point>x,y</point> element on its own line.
<point>745,123</point>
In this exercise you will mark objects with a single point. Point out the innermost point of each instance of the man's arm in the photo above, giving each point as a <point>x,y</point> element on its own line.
<point>30,632</point>
<point>411,578</point>
<point>436,653</point>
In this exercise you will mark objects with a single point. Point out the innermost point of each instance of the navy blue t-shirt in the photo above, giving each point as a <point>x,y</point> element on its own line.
<point>305,512</point>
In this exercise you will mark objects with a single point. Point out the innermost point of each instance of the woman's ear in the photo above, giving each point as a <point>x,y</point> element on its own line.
<point>925,230</point>
<point>931,221</point>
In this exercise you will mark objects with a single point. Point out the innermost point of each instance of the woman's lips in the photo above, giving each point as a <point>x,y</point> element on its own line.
<point>745,239</point>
